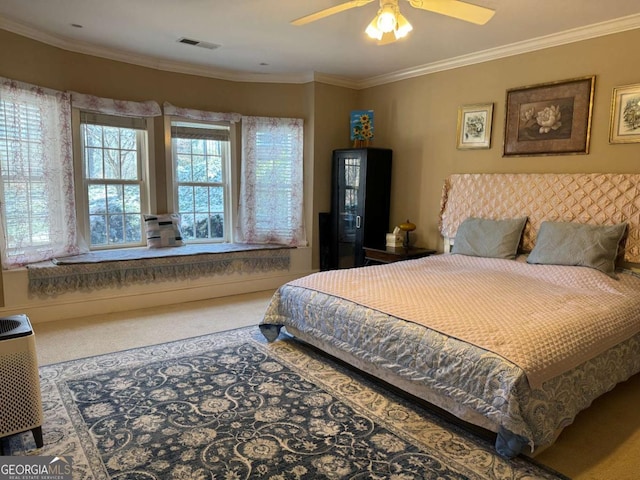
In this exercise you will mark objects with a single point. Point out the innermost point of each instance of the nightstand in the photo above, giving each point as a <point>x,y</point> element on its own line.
<point>394,254</point>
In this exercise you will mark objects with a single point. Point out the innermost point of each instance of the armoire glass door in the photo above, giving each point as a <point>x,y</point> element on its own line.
<point>348,216</point>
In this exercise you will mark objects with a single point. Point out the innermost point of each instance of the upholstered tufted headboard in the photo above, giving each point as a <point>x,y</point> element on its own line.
<point>595,198</point>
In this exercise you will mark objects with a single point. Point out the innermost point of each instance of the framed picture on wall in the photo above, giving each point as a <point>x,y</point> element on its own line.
<point>550,118</point>
<point>624,126</point>
<point>474,126</point>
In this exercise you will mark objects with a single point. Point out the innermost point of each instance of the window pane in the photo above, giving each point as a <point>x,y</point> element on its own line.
<point>94,163</point>
<point>92,135</point>
<point>112,163</point>
<point>201,199</point>
<point>183,168</point>
<point>216,199</point>
<point>132,199</point>
<point>217,226</point>
<point>182,145</point>
<point>116,229</point>
<point>115,199</point>
<point>197,147</point>
<point>215,169</point>
<point>111,137</point>
<point>133,230</point>
<point>185,200</point>
<point>128,138</point>
<point>199,168</point>
<point>115,206</point>
<point>200,153</point>
<point>186,226</point>
<point>129,162</point>
<point>97,199</point>
<point>98,229</point>
<point>202,226</point>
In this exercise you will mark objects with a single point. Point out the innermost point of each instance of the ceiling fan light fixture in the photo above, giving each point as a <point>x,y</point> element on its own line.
<point>388,24</point>
<point>373,31</point>
<point>387,19</point>
<point>403,27</point>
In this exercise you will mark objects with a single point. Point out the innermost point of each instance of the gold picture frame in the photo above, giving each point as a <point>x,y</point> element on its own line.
<point>550,118</point>
<point>474,126</point>
<point>624,126</point>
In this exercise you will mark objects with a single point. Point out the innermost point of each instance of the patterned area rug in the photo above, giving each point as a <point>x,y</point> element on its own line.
<point>229,406</point>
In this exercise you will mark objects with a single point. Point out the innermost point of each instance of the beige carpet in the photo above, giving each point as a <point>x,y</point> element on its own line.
<point>602,444</point>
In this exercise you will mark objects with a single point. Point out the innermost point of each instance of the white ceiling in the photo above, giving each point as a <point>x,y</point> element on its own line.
<point>257,42</point>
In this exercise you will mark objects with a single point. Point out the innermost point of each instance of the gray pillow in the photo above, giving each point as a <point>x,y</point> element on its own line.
<point>578,244</point>
<point>481,237</point>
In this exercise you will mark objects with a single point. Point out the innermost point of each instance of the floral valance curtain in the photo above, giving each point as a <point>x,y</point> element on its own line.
<point>271,208</point>
<point>193,114</point>
<point>36,171</point>
<point>109,106</point>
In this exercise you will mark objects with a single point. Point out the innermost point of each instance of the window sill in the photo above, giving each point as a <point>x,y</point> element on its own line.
<point>118,268</point>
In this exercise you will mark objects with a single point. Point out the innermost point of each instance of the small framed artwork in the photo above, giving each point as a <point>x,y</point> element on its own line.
<point>474,126</point>
<point>550,118</point>
<point>625,115</point>
<point>361,125</point>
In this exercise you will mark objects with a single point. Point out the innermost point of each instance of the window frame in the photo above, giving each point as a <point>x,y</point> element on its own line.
<point>230,177</point>
<point>146,168</point>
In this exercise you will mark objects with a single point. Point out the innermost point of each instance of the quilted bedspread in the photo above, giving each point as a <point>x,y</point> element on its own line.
<point>544,319</point>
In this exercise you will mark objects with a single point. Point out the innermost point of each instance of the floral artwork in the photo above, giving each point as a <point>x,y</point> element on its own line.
<point>546,120</point>
<point>625,115</point>
<point>549,119</point>
<point>362,126</point>
<point>474,126</point>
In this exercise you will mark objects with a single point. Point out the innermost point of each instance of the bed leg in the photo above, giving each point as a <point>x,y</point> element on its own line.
<point>509,445</point>
<point>270,332</point>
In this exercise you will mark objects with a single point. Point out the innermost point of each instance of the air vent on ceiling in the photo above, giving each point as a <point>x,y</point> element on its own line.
<point>198,43</point>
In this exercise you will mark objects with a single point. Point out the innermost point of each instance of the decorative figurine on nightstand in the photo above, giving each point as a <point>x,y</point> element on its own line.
<point>407,227</point>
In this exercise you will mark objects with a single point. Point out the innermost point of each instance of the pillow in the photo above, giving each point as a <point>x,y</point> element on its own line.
<point>480,237</point>
<point>163,230</point>
<point>578,244</point>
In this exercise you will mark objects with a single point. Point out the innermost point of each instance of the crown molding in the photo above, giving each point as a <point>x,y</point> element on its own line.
<point>618,25</point>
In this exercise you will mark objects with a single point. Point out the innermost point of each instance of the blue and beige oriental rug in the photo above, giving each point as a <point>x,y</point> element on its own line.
<point>229,406</point>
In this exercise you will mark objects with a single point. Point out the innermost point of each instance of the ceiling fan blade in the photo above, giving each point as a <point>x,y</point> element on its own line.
<point>456,9</point>
<point>330,11</point>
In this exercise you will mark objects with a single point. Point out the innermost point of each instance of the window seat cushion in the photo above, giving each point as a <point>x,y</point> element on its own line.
<point>121,267</point>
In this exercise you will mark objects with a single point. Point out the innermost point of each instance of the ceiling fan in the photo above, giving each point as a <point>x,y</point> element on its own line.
<point>390,25</point>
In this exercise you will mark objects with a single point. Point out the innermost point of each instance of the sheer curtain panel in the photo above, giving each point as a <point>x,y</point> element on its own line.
<point>36,173</point>
<point>271,202</point>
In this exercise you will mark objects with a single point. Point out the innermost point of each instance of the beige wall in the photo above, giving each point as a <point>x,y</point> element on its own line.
<point>417,118</point>
<point>40,64</point>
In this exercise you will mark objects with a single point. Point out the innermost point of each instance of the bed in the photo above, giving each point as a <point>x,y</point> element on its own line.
<point>532,312</point>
